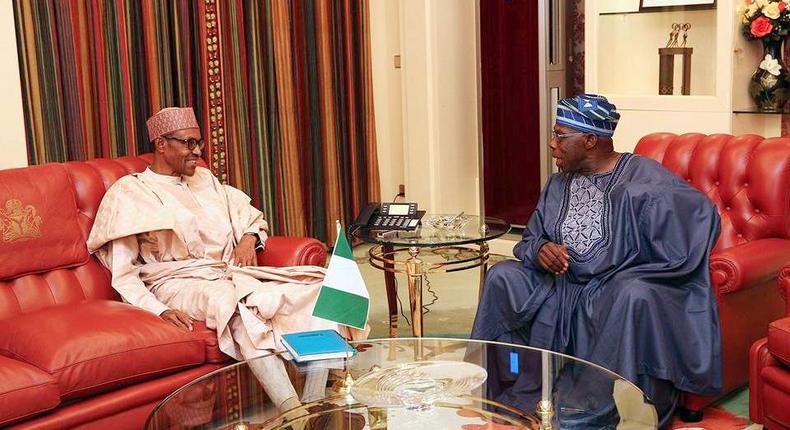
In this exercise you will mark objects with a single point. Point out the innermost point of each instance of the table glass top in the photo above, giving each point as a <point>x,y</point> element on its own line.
<point>410,383</point>
<point>475,229</point>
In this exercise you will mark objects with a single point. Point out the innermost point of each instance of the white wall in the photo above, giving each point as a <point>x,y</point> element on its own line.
<point>633,40</point>
<point>636,123</point>
<point>385,45</point>
<point>438,100</point>
<point>12,123</point>
<point>426,112</point>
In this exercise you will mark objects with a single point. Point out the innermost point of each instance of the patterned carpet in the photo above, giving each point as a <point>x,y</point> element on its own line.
<point>730,413</point>
<point>715,418</point>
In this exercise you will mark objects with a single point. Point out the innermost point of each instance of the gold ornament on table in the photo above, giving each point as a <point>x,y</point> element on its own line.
<point>686,27</point>
<point>672,42</point>
<point>666,61</point>
<point>673,36</point>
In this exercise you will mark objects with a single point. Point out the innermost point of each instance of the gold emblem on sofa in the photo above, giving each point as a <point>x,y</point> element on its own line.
<point>19,222</point>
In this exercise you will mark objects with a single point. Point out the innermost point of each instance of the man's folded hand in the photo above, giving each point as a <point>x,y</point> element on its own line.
<point>554,258</point>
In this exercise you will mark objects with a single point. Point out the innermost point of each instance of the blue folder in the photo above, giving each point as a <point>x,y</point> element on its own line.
<point>317,345</point>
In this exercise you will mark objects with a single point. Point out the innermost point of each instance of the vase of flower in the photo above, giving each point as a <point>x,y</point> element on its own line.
<point>769,86</point>
<point>769,22</point>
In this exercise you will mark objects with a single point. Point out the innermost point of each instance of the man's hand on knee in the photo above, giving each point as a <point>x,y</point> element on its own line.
<point>554,258</point>
<point>244,253</point>
<point>177,318</point>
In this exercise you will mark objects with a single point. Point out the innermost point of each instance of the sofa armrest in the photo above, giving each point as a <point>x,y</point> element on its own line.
<point>283,251</point>
<point>784,286</point>
<point>750,264</point>
<point>759,357</point>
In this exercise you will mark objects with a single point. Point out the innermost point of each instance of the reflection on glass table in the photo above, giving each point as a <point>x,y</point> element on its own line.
<point>458,241</point>
<point>418,383</point>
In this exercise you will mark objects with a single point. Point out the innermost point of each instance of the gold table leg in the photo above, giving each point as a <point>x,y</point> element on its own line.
<point>392,289</point>
<point>483,268</point>
<point>545,411</point>
<point>545,408</point>
<point>383,257</point>
<point>414,272</point>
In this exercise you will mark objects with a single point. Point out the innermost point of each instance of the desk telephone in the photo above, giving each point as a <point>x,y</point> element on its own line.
<point>389,216</point>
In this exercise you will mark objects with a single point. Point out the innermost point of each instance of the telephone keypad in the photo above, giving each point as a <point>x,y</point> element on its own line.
<point>395,222</point>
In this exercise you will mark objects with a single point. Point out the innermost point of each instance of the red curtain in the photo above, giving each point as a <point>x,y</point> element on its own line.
<point>511,134</point>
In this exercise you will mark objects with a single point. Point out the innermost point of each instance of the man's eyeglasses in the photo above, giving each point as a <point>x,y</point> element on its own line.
<point>189,143</point>
<point>560,136</point>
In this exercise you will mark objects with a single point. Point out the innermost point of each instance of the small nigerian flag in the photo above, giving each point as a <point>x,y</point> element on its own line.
<point>343,297</point>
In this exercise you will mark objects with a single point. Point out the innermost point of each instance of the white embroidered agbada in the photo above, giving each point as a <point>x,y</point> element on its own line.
<point>168,242</point>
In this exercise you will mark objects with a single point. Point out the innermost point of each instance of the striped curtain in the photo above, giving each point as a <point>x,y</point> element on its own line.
<point>283,91</point>
<point>93,71</point>
<point>297,88</point>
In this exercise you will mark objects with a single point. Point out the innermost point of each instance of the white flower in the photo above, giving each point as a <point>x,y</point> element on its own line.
<point>760,3</point>
<point>751,10</point>
<point>741,11</point>
<point>770,65</point>
<point>771,10</point>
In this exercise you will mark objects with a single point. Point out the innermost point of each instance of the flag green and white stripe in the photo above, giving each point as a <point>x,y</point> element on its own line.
<point>343,297</point>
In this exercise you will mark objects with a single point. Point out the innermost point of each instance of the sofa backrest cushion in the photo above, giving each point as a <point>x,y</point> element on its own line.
<point>60,277</point>
<point>38,221</point>
<point>748,177</point>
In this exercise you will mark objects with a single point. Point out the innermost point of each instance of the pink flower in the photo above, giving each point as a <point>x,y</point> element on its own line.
<point>761,27</point>
<point>782,6</point>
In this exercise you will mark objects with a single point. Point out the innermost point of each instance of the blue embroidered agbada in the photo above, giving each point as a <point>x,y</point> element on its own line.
<point>636,298</point>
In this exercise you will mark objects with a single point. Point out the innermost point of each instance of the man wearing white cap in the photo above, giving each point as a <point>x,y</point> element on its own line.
<point>182,245</point>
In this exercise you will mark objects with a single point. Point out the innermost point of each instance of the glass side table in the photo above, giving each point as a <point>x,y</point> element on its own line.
<point>389,255</point>
<point>531,389</point>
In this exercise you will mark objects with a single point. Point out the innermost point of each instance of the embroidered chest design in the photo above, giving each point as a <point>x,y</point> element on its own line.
<point>583,226</point>
<point>19,222</point>
<point>584,223</point>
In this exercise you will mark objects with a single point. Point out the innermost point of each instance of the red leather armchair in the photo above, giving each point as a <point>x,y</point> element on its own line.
<point>769,370</point>
<point>748,177</point>
<point>72,355</point>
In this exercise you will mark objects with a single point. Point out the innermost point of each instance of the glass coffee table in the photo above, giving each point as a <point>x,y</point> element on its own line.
<point>418,383</point>
<point>409,252</point>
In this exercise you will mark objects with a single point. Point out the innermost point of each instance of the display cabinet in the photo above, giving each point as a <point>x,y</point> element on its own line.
<point>622,43</point>
<point>630,44</point>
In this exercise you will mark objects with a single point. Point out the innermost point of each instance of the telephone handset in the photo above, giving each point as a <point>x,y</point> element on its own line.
<point>389,216</point>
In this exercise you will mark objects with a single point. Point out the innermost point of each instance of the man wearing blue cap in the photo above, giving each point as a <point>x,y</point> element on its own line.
<point>613,269</point>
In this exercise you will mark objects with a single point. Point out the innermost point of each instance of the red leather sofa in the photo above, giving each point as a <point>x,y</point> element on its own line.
<point>72,355</point>
<point>748,177</point>
<point>769,370</point>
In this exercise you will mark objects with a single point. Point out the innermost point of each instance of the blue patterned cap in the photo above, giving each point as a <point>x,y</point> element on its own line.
<point>588,113</point>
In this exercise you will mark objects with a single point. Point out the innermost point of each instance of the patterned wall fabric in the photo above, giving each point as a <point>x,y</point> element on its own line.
<point>282,89</point>
<point>90,69</point>
<point>298,86</point>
